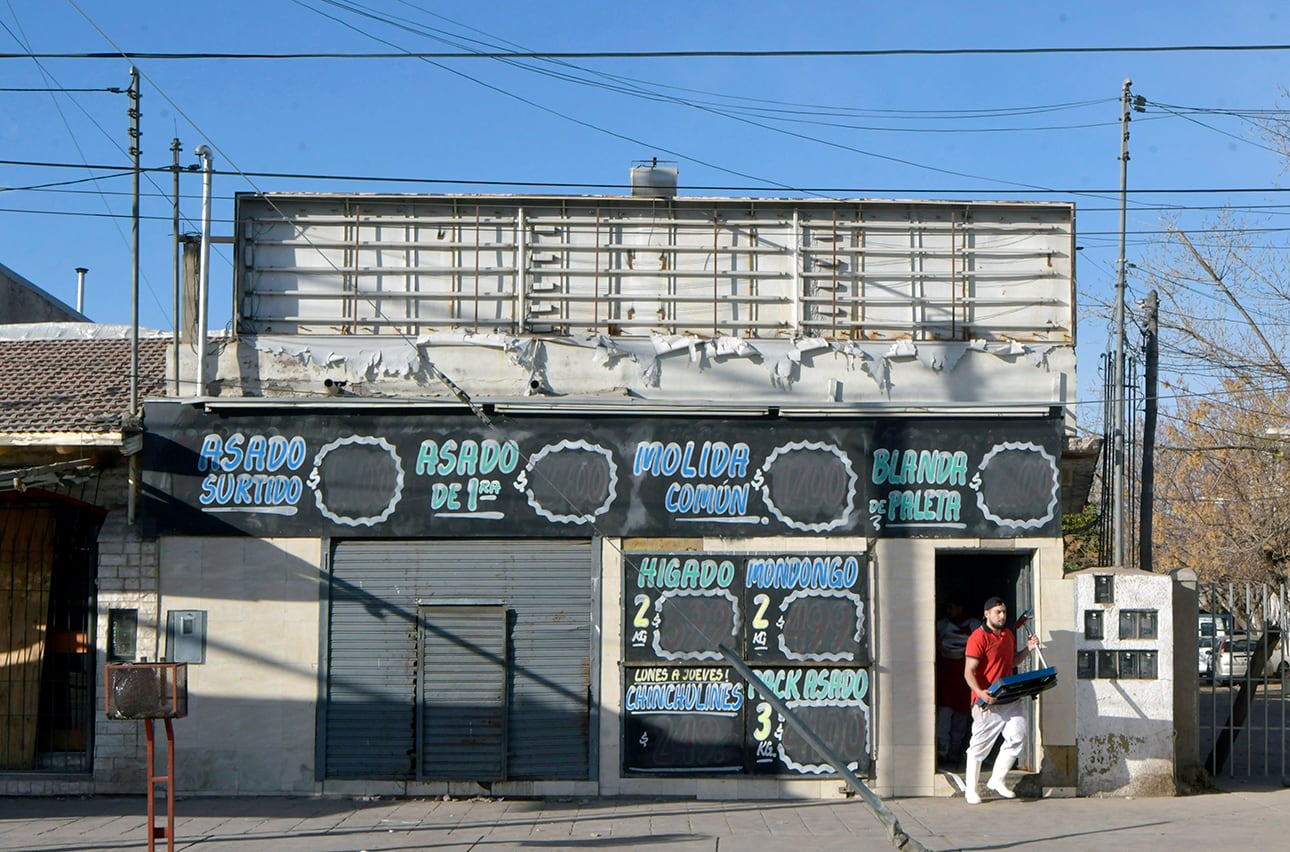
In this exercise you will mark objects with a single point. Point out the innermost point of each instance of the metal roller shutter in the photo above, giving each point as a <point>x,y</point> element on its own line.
<point>463,692</point>
<point>370,728</point>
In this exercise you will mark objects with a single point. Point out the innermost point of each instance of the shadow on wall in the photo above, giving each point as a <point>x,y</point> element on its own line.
<point>261,717</point>
<point>230,745</point>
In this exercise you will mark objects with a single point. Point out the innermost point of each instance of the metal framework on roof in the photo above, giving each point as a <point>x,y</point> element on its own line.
<point>632,266</point>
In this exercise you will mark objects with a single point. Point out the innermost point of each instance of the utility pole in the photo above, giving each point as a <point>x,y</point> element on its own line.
<point>1117,369</point>
<point>133,418</point>
<point>1151,342</point>
<point>174,168</point>
<point>1128,105</point>
<point>135,150</point>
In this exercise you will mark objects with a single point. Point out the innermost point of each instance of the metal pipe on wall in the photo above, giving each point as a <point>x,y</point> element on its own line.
<point>80,289</point>
<point>203,277</point>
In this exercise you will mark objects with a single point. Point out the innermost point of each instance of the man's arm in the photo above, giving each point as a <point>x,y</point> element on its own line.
<point>1021,655</point>
<point>972,675</point>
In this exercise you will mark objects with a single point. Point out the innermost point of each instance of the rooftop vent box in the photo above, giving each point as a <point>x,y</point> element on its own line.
<point>651,180</point>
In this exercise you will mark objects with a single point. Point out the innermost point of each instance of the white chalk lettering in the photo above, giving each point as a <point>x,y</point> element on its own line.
<point>804,572</point>
<point>659,572</point>
<point>711,459</point>
<point>258,453</point>
<point>684,698</point>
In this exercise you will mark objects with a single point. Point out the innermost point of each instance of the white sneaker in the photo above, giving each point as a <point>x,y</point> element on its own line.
<point>998,786</point>
<point>972,797</point>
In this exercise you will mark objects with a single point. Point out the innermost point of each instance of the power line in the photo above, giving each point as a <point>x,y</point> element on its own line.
<point>550,110</point>
<point>850,190</point>
<point>736,108</point>
<point>1199,123</point>
<point>63,90</point>
<point>1269,209</point>
<point>52,186</point>
<point>57,187</point>
<point>89,215</point>
<point>669,54</point>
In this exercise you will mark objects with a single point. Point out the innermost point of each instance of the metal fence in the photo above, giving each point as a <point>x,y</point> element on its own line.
<point>1244,703</point>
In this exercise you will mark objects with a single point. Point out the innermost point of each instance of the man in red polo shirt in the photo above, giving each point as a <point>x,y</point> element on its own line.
<point>992,654</point>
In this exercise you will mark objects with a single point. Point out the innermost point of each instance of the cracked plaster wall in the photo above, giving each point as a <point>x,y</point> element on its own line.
<point>776,372</point>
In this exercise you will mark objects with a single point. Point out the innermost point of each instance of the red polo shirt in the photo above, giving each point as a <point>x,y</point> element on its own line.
<point>995,650</point>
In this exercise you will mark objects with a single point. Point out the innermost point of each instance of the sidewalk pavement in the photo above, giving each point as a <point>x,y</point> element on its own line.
<point>1248,818</point>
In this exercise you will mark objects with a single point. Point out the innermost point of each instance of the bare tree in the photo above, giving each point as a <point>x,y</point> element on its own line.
<point>1221,502</point>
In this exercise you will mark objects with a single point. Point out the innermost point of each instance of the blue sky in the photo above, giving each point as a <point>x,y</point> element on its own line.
<point>899,126</point>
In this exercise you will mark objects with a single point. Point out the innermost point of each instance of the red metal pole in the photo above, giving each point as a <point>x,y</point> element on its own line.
<point>170,786</point>
<point>152,807</point>
<point>168,830</point>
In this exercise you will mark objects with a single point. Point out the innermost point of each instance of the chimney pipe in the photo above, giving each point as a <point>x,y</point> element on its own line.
<point>80,289</point>
<point>203,278</point>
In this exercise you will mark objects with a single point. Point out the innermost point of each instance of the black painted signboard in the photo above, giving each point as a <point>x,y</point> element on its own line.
<point>683,719</point>
<point>770,607</point>
<point>832,702</point>
<point>399,474</point>
<point>802,622</point>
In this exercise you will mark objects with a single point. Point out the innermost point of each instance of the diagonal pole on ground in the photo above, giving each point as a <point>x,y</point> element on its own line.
<point>881,812</point>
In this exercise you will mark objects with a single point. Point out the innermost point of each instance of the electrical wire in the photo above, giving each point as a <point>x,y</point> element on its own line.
<point>854,191</point>
<point>48,76</point>
<point>1199,123</point>
<point>61,89</point>
<point>554,112</point>
<point>708,109</point>
<point>51,186</point>
<point>671,54</point>
<point>778,110</point>
<point>515,183</point>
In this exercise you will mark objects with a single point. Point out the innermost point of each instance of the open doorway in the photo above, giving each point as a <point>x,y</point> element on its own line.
<point>964,579</point>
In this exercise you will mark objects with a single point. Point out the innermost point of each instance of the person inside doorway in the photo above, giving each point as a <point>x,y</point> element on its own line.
<point>953,695</point>
<point>992,654</point>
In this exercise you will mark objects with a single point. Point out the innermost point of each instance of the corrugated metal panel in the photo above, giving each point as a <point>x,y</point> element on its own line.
<point>463,692</point>
<point>377,586</point>
<point>371,675</point>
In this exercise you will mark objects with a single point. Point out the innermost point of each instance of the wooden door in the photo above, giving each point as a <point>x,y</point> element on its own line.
<point>26,565</point>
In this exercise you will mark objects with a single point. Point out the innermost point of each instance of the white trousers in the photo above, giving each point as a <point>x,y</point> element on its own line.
<point>992,720</point>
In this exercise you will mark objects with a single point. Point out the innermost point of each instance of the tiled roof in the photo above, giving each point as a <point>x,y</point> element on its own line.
<point>52,386</point>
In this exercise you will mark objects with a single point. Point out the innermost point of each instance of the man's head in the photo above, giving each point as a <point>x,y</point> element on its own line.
<point>996,613</point>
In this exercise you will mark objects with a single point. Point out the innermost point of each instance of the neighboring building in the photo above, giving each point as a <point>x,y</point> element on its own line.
<point>23,302</point>
<point>64,441</point>
<point>477,486</point>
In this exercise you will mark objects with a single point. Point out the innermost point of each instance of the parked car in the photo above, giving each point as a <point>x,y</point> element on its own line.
<point>1206,657</point>
<point>1212,628</point>
<point>1232,654</point>
<point>1211,624</point>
